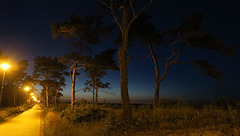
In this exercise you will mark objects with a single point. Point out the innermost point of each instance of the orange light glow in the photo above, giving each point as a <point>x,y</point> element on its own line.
<point>5,66</point>
<point>27,88</point>
<point>34,98</point>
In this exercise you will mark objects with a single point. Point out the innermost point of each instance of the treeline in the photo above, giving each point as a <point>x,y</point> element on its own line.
<point>12,92</point>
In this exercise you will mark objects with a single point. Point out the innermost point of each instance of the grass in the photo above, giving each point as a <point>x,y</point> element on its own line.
<point>172,117</point>
<point>8,112</point>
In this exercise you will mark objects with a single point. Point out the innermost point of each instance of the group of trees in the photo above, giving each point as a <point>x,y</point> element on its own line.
<point>13,93</point>
<point>135,29</point>
<point>165,47</point>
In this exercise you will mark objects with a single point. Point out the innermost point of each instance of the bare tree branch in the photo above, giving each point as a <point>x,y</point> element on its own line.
<point>138,14</point>
<point>83,74</point>
<point>113,13</point>
<point>185,62</point>
<point>133,10</point>
<point>80,67</point>
<point>70,69</point>
<point>178,54</point>
<point>110,93</point>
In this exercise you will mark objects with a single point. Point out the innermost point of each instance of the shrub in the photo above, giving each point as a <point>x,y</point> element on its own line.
<point>84,112</point>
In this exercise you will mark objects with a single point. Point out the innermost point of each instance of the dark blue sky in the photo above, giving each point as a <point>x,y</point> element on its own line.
<point>25,32</point>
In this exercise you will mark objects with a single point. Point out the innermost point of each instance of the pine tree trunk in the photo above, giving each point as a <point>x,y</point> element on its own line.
<point>55,102</point>
<point>73,86</point>
<point>157,80</point>
<point>123,65</point>
<point>96,94</point>
<point>156,95</point>
<point>47,102</point>
<point>14,97</point>
<point>93,94</point>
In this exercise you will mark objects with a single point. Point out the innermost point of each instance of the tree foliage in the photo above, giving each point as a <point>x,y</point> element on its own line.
<point>82,31</point>
<point>169,45</point>
<point>48,71</point>
<point>99,65</point>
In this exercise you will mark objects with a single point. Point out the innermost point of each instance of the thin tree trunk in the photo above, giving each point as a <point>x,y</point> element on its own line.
<point>8,98</point>
<point>47,96</point>
<point>93,94</point>
<point>156,95</point>
<point>96,95</point>
<point>73,85</point>
<point>157,81</point>
<point>56,103</point>
<point>14,96</point>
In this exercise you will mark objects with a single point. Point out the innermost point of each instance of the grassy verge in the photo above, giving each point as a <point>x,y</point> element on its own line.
<point>8,112</point>
<point>170,118</point>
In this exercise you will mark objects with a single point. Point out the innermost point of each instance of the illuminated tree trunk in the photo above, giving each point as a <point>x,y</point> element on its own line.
<point>93,94</point>
<point>47,102</point>
<point>73,85</point>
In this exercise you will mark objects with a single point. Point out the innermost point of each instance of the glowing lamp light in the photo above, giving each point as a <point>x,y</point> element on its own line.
<point>5,66</point>
<point>31,94</point>
<point>27,88</point>
<point>34,98</point>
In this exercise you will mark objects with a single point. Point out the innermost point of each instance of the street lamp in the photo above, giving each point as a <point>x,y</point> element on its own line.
<point>4,66</point>
<point>26,89</point>
<point>35,99</point>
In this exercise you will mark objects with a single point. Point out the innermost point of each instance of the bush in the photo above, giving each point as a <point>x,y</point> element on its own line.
<point>107,119</point>
<point>84,112</point>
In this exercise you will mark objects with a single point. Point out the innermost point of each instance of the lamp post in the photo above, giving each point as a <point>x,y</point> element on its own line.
<point>26,89</point>
<point>4,67</point>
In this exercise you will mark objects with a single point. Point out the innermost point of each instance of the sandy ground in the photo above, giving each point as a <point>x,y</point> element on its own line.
<point>26,124</point>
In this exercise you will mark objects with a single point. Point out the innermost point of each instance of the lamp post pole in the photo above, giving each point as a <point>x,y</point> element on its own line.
<point>4,67</point>
<point>2,87</point>
<point>27,89</point>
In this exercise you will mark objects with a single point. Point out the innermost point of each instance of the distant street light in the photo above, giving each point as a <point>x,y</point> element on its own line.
<point>26,89</point>
<point>35,99</point>
<point>4,67</point>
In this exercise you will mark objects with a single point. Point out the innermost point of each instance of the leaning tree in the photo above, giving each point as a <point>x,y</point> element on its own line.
<point>166,47</point>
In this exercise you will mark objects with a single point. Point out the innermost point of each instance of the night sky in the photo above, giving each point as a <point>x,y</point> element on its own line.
<point>25,32</point>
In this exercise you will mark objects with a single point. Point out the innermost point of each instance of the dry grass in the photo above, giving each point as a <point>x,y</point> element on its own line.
<point>56,126</point>
<point>175,118</point>
<point>8,112</point>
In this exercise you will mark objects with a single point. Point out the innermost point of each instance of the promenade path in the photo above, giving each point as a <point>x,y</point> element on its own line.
<point>26,124</point>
